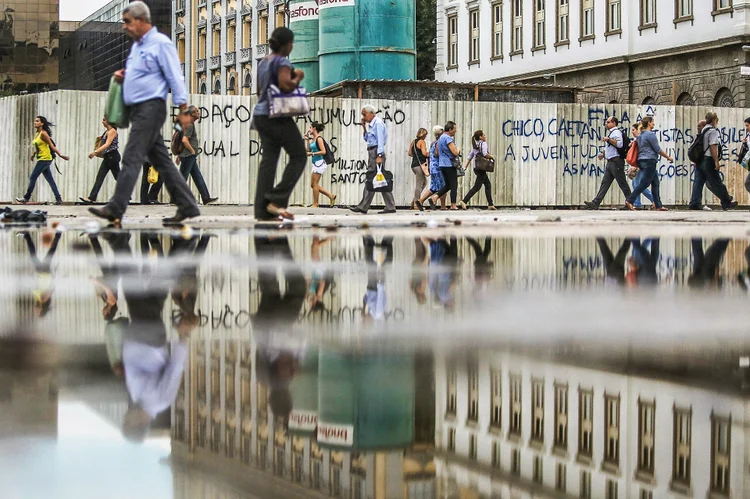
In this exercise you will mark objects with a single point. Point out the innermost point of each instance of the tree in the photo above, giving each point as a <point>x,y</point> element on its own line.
<point>426,30</point>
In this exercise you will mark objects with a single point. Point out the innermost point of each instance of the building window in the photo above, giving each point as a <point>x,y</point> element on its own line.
<point>450,396</point>
<point>560,477</point>
<point>537,415</point>
<point>247,29</point>
<point>646,422</point>
<point>473,447</point>
<point>720,454</point>
<point>587,19</point>
<point>540,30</point>
<point>473,393</point>
<point>473,36</point>
<point>181,49</point>
<point>451,439</point>
<point>611,490</point>
<point>585,485</point>
<point>722,7</point>
<point>683,10</point>
<point>336,478</point>
<point>497,30</point>
<point>685,99</point>
<point>612,430</point>
<point>316,474</point>
<point>496,404</point>
<point>538,469</point>
<point>563,21</point>
<point>517,34</point>
<point>202,44</point>
<point>263,27</point>
<point>561,416</point>
<point>646,494</point>
<point>280,17</point>
<point>614,16</point>
<point>648,14</point>
<point>515,405</point>
<point>216,42</point>
<point>724,98</point>
<point>232,85</point>
<point>585,421</point>
<point>231,38</point>
<point>515,462</point>
<point>681,447</point>
<point>496,454</point>
<point>453,41</point>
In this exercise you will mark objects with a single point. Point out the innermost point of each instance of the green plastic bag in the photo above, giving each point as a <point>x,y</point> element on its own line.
<point>115,112</point>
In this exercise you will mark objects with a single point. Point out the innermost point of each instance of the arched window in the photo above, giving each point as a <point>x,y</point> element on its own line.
<point>232,85</point>
<point>685,99</point>
<point>203,88</point>
<point>614,101</point>
<point>724,98</point>
<point>248,80</point>
<point>648,101</point>
<point>217,87</point>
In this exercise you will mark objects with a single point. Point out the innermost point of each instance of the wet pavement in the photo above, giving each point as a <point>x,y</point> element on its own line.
<point>515,354</point>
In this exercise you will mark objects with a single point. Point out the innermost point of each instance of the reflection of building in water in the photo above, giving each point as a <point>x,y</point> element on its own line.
<point>513,426</point>
<point>28,403</point>
<point>223,422</point>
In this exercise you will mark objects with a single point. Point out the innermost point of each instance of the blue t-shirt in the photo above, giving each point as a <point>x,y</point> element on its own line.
<point>268,74</point>
<point>446,156</point>
<point>648,145</point>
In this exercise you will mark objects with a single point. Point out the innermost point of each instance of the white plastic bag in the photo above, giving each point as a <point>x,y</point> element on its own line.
<point>379,181</point>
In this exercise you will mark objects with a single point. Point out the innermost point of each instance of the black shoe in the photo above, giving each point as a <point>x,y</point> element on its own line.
<point>385,212</point>
<point>357,209</point>
<point>433,206</point>
<point>211,200</point>
<point>22,200</point>
<point>419,205</point>
<point>732,204</point>
<point>58,201</point>
<point>590,205</point>
<point>105,213</point>
<point>87,200</point>
<point>180,217</point>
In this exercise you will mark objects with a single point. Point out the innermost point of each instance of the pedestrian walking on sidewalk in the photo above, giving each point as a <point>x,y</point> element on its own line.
<point>108,150</point>
<point>317,149</point>
<point>152,69</point>
<point>707,172</point>
<point>635,130</point>
<point>44,153</point>
<point>479,149</point>
<point>419,164</point>
<point>376,137</point>
<point>615,169</point>
<point>277,133</point>
<point>746,141</point>
<point>188,158</point>
<point>649,151</point>
<point>692,205</point>
<point>437,181</point>
<point>448,160</point>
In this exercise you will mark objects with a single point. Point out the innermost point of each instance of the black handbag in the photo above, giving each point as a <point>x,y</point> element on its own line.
<point>742,153</point>
<point>460,170</point>
<point>484,164</point>
<point>388,178</point>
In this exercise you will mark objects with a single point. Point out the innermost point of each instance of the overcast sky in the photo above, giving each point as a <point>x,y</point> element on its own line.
<point>77,10</point>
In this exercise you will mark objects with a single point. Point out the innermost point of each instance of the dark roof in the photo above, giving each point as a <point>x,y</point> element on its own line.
<point>332,89</point>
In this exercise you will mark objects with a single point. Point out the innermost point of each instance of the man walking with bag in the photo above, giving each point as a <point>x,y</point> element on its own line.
<point>615,169</point>
<point>376,137</point>
<point>153,68</point>
<point>707,168</point>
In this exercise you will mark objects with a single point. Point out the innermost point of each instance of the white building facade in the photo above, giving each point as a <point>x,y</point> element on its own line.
<point>667,51</point>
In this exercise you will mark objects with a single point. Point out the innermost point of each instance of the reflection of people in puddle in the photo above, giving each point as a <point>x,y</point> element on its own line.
<point>614,265</point>
<point>152,373</point>
<point>419,282</point>
<point>744,277</point>
<point>376,256</point>
<point>444,271</point>
<point>482,266</point>
<point>185,291</point>
<point>642,265</point>
<point>42,294</point>
<point>321,279</point>
<point>706,266</point>
<point>279,350</point>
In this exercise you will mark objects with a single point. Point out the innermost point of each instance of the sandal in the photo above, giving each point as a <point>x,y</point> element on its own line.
<point>279,212</point>
<point>630,206</point>
<point>333,201</point>
<point>419,205</point>
<point>433,206</point>
<point>462,205</point>
<point>87,201</point>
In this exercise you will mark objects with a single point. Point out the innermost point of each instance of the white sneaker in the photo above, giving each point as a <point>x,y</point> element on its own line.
<point>707,208</point>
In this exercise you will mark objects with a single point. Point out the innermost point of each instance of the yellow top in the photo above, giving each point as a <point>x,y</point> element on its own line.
<point>43,152</point>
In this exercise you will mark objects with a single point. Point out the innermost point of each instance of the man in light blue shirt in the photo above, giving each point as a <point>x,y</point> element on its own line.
<point>376,137</point>
<point>615,168</point>
<point>152,69</point>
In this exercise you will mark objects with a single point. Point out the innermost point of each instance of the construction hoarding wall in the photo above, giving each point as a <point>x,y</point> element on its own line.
<point>546,152</point>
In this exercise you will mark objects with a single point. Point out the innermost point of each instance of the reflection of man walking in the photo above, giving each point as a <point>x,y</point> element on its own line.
<point>376,137</point>
<point>614,266</point>
<point>615,169</point>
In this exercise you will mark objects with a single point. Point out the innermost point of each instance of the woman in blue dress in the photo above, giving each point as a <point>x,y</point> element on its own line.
<point>437,181</point>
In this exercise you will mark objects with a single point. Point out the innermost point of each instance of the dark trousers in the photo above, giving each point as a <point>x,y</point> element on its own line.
<point>614,266</point>
<point>189,168</point>
<point>277,310</point>
<point>367,195</point>
<point>706,174</point>
<point>615,170</point>
<point>42,168</point>
<point>44,265</point>
<point>110,163</point>
<point>275,134</point>
<point>149,192</point>
<point>481,179</point>
<point>650,178</point>
<point>705,265</point>
<point>451,183</point>
<point>146,142</point>
<point>647,260</point>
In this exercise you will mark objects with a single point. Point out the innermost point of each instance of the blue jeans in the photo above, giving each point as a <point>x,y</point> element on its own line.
<point>42,168</point>
<point>637,180</point>
<point>650,178</point>
<point>189,168</point>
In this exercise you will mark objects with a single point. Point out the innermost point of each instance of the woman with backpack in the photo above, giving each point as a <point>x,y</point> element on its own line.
<point>317,148</point>
<point>44,153</point>
<point>479,150</point>
<point>108,151</point>
<point>419,164</point>
<point>649,151</point>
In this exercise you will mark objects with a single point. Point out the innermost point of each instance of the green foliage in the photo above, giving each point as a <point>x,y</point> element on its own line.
<point>426,32</point>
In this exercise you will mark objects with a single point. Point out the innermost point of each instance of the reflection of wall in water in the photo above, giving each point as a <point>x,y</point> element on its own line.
<point>510,425</point>
<point>28,403</point>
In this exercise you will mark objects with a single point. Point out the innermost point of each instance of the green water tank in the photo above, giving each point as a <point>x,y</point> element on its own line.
<point>365,401</point>
<point>303,21</point>
<point>367,40</point>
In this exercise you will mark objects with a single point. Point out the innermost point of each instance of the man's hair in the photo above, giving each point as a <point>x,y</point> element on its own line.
<point>711,117</point>
<point>747,120</point>
<point>614,120</point>
<point>192,109</point>
<point>369,108</point>
<point>449,126</point>
<point>138,10</point>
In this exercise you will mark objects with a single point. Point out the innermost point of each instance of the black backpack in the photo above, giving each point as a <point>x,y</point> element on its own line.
<point>328,156</point>
<point>623,151</point>
<point>696,151</point>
